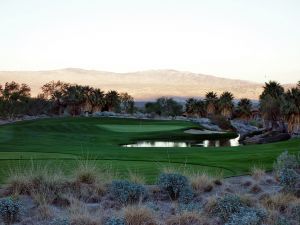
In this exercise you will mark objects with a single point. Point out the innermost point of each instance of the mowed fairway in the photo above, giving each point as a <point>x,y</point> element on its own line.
<point>62,141</point>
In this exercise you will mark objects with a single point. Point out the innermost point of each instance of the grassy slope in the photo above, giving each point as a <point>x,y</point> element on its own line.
<point>61,141</point>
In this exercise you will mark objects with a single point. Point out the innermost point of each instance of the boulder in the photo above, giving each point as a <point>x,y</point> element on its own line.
<point>206,123</point>
<point>267,137</point>
<point>243,127</point>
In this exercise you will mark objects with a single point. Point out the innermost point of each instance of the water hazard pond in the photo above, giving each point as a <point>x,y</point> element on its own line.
<point>205,143</point>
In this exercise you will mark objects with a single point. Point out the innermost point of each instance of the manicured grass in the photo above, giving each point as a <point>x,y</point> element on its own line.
<point>140,127</point>
<point>61,141</point>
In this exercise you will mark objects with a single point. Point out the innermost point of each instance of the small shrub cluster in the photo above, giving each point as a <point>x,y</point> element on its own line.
<point>295,212</point>
<point>247,216</point>
<point>227,206</point>
<point>190,207</point>
<point>115,221</point>
<point>177,186</point>
<point>126,192</point>
<point>186,195</point>
<point>282,221</point>
<point>287,168</point>
<point>10,210</point>
<point>285,161</point>
<point>288,179</point>
<point>153,206</point>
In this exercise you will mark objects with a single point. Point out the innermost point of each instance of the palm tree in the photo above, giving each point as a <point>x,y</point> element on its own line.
<point>273,88</point>
<point>291,109</point>
<point>74,98</point>
<point>190,106</point>
<point>226,104</point>
<point>244,108</point>
<point>195,107</point>
<point>211,100</point>
<point>200,108</point>
<point>112,100</point>
<point>96,98</point>
<point>86,106</point>
<point>270,104</point>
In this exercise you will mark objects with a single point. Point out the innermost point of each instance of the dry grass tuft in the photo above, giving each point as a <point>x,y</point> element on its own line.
<point>248,200</point>
<point>44,212</point>
<point>170,169</point>
<point>186,218</point>
<point>139,215</point>
<point>86,172</point>
<point>201,182</point>
<point>136,177</point>
<point>36,179</point>
<point>279,202</point>
<point>258,172</point>
<point>210,205</point>
<point>79,214</point>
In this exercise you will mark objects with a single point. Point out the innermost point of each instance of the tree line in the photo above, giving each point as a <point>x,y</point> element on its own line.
<point>276,107</point>
<point>58,98</point>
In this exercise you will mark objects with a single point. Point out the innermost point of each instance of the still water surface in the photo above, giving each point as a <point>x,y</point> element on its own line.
<point>184,144</point>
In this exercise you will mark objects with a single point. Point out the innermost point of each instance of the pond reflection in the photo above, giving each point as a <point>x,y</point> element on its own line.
<point>174,144</point>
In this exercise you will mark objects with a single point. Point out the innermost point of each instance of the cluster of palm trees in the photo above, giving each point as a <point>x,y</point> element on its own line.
<point>58,97</point>
<point>78,99</point>
<point>213,105</point>
<point>279,106</point>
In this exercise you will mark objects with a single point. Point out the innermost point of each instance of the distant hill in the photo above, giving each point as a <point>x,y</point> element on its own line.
<point>143,85</point>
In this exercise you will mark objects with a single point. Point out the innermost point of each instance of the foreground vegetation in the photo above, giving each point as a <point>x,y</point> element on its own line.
<point>90,196</point>
<point>62,141</point>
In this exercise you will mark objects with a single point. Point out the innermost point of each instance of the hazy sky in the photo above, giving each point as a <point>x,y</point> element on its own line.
<point>255,40</point>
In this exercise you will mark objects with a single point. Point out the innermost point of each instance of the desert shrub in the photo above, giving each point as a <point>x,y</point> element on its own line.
<point>115,221</point>
<point>282,221</point>
<point>247,216</point>
<point>152,205</point>
<point>10,210</point>
<point>186,195</point>
<point>190,207</point>
<point>60,221</point>
<point>285,161</point>
<point>126,192</point>
<point>173,183</point>
<point>295,212</point>
<point>288,179</point>
<point>226,206</point>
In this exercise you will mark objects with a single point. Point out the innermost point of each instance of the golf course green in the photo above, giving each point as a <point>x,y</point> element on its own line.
<point>63,141</point>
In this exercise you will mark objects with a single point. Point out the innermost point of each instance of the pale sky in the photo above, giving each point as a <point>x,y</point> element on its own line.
<point>256,40</point>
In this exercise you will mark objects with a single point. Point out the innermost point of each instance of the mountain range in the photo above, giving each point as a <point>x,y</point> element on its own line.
<point>142,85</point>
